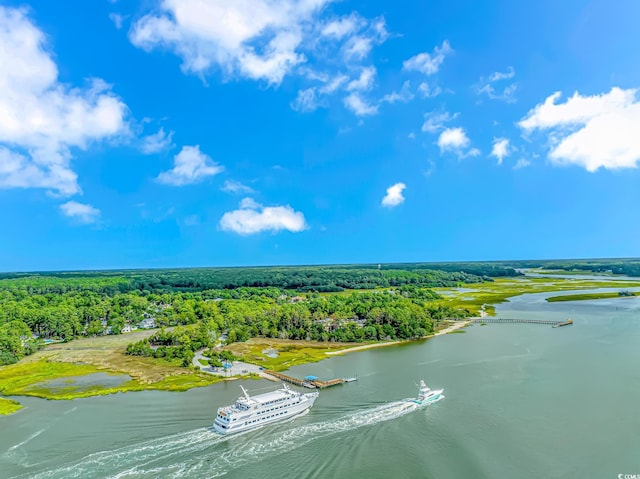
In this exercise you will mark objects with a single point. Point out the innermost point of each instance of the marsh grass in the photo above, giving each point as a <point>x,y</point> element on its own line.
<point>498,291</point>
<point>587,297</point>
<point>8,406</point>
<point>290,352</point>
<point>33,379</point>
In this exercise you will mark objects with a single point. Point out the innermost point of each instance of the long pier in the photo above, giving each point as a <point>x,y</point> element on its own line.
<point>307,383</point>
<point>554,324</point>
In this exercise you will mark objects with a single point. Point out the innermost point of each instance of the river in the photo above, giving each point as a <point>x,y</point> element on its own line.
<point>522,401</point>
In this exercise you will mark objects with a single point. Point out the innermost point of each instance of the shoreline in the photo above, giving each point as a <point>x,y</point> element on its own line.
<point>457,325</point>
<point>169,383</point>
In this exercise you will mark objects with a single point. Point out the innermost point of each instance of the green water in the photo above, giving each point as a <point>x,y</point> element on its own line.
<point>522,401</point>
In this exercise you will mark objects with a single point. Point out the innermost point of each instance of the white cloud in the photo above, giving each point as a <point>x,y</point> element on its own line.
<point>190,166</point>
<point>42,120</point>
<point>359,106</point>
<point>334,83</point>
<point>394,195</point>
<point>497,76</point>
<point>256,39</point>
<point>310,99</point>
<point>267,40</point>
<point>453,139</point>
<point>598,131</point>
<point>428,63</point>
<point>365,81</point>
<point>231,186</point>
<point>404,95</point>
<point>521,163</point>
<point>307,100</point>
<point>81,212</point>
<point>426,91</point>
<point>487,86</point>
<point>345,26</point>
<point>500,149</point>
<point>357,47</point>
<point>432,168</point>
<point>435,121</point>
<point>472,152</point>
<point>252,218</point>
<point>117,19</point>
<point>156,142</point>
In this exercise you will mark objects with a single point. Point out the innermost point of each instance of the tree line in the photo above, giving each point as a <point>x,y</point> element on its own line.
<point>300,278</point>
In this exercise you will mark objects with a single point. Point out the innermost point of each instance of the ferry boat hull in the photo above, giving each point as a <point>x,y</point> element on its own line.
<point>254,412</point>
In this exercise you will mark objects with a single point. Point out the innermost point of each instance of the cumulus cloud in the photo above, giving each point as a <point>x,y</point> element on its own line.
<point>496,86</point>
<point>190,166</point>
<point>360,106</point>
<point>117,19</point>
<point>434,121</point>
<point>267,41</point>
<point>42,121</point>
<point>428,63</point>
<point>597,131</point>
<point>81,212</point>
<point>252,218</point>
<point>256,39</point>
<point>394,195</point>
<point>156,142</point>
<point>312,98</point>
<point>404,95</point>
<point>364,81</point>
<point>307,100</point>
<point>358,46</point>
<point>426,91</point>
<point>343,27</point>
<point>231,186</point>
<point>455,140</point>
<point>521,163</point>
<point>500,149</point>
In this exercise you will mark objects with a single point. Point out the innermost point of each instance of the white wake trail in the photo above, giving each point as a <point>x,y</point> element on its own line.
<point>203,453</point>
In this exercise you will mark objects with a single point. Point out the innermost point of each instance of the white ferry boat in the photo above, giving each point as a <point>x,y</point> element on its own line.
<point>250,412</point>
<point>426,395</point>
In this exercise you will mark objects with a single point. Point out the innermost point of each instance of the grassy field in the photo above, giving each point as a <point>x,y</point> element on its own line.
<point>570,272</point>
<point>106,353</point>
<point>474,296</point>
<point>7,406</point>
<point>31,379</point>
<point>290,353</point>
<point>586,297</point>
<point>103,354</point>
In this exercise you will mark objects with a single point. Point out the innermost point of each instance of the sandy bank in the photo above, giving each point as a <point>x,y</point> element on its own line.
<point>453,327</point>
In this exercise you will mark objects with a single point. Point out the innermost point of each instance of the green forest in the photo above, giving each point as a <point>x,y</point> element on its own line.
<point>244,302</point>
<point>321,303</point>
<point>404,313</point>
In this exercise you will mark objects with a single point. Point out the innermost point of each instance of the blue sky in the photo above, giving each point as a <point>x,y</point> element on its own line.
<point>257,132</point>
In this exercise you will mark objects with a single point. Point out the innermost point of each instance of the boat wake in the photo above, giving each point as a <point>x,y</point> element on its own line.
<point>203,453</point>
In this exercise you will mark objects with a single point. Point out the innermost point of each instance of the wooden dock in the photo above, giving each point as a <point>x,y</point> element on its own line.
<point>312,384</point>
<point>554,324</point>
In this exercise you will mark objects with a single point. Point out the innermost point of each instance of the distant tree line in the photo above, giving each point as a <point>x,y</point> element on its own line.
<point>300,278</point>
